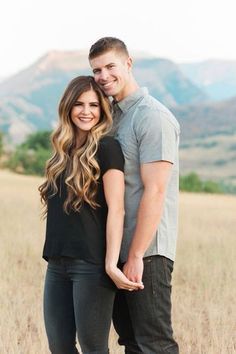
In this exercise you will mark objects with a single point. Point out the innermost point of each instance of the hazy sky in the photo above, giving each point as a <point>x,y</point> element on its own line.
<point>181,30</point>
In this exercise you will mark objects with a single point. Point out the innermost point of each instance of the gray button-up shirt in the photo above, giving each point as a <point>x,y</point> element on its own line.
<point>148,132</point>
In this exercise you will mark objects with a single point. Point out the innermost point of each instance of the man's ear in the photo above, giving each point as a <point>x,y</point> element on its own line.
<point>129,63</point>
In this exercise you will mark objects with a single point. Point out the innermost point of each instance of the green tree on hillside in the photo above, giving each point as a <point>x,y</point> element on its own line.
<point>30,156</point>
<point>38,140</point>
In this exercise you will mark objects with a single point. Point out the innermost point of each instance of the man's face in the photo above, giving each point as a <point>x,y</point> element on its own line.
<point>112,73</point>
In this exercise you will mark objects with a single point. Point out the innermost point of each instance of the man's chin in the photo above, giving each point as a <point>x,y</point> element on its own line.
<point>109,93</point>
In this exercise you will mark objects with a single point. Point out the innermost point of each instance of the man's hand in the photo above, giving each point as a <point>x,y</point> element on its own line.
<point>121,281</point>
<point>133,269</point>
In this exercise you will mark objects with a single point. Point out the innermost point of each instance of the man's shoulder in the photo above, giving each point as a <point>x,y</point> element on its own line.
<point>151,110</point>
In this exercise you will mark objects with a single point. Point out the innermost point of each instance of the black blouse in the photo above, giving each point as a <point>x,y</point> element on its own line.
<point>82,234</point>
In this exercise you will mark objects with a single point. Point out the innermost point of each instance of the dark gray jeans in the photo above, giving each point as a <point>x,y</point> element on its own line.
<point>142,318</point>
<point>77,298</point>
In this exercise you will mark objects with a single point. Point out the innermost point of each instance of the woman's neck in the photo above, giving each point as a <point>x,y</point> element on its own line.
<point>81,138</point>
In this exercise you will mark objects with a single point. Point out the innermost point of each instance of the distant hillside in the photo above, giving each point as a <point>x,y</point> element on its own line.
<point>207,119</point>
<point>166,82</point>
<point>52,68</point>
<point>216,77</point>
<point>208,140</point>
<point>28,100</point>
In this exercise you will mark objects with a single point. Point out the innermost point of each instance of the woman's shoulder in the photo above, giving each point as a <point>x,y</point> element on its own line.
<point>108,142</point>
<point>108,139</point>
<point>110,154</point>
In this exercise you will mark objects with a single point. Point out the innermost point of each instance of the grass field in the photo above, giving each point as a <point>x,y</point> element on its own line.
<point>204,291</point>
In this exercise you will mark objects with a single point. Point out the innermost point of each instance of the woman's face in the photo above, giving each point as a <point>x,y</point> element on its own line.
<point>86,111</point>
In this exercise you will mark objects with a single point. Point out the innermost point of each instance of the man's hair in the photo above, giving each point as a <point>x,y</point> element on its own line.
<point>106,44</point>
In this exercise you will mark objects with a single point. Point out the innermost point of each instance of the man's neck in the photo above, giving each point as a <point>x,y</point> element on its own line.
<point>128,90</point>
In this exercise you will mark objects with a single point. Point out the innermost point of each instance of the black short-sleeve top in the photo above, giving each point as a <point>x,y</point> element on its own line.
<point>82,234</point>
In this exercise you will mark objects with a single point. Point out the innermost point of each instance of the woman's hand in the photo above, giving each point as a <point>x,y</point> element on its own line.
<point>121,281</point>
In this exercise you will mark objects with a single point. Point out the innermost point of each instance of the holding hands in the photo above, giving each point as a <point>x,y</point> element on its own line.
<point>133,269</point>
<point>121,280</point>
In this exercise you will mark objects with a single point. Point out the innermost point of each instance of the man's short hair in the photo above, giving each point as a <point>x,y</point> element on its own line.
<point>106,44</point>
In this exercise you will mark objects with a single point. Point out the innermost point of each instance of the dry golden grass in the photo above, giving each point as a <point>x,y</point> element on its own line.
<point>204,292</point>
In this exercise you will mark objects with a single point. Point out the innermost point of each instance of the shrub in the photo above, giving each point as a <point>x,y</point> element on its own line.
<point>193,183</point>
<point>30,157</point>
<point>1,143</point>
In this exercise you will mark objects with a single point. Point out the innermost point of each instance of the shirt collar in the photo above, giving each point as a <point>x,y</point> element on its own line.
<point>125,104</point>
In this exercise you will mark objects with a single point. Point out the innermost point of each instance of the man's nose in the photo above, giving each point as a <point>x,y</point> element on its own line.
<point>104,75</point>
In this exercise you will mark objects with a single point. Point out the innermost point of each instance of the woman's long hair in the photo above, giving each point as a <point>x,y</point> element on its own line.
<point>77,164</point>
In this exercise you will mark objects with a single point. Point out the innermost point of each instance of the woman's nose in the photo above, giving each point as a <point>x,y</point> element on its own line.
<point>86,109</point>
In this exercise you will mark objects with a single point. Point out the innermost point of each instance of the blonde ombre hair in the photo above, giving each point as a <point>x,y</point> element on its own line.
<point>78,165</point>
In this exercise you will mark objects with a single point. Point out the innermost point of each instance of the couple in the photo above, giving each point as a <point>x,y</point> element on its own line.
<point>92,249</point>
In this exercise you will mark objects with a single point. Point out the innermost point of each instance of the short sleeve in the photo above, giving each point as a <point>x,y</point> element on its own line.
<point>110,155</point>
<point>157,138</point>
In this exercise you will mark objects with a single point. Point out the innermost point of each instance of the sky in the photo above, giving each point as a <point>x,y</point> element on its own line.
<point>180,30</point>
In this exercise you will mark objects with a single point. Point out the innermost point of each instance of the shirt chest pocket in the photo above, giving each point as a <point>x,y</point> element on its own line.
<point>129,144</point>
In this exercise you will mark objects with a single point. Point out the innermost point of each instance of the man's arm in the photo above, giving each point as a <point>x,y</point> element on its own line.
<point>155,177</point>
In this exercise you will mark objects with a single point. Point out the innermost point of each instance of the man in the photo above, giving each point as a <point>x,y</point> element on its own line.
<point>149,137</point>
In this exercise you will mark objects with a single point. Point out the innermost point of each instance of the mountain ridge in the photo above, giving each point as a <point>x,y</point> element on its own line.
<point>39,88</point>
<point>29,100</point>
<point>216,77</point>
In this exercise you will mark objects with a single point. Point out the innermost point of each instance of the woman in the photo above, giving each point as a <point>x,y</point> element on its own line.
<point>84,200</point>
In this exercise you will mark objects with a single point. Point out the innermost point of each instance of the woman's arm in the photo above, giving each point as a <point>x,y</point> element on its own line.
<point>113,181</point>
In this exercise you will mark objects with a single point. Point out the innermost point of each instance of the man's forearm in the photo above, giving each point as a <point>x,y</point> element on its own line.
<point>148,219</point>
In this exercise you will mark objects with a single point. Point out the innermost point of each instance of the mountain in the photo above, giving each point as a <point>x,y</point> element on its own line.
<point>208,140</point>
<point>166,82</point>
<point>216,77</point>
<point>52,68</point>
<point>207,119</point>
<point>28,100</point>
